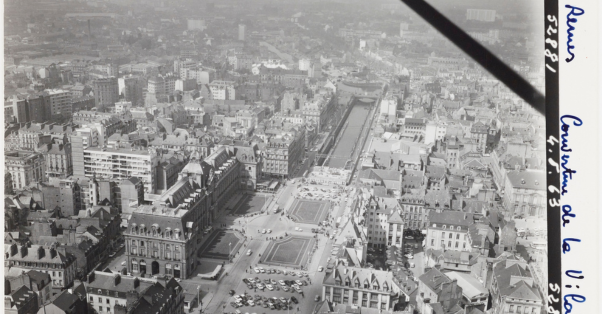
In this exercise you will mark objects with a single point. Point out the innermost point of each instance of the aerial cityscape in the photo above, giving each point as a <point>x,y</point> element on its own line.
<point>261,156</point>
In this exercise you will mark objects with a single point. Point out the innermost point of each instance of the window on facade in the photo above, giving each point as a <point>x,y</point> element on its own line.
<point>458,236</point>
<point>100,308</point>
<point>450,235</point>
<point>511,309</point>
<point>432,242</point>
<point>456,244</point>
<point>464,245</point>
<point>108,301</point>
<point>444,227</point>
<point>449,244</point>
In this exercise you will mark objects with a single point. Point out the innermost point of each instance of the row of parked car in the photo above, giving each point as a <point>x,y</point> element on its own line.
<point>261,270</point>
<point>271,284</point>
<point>273,303</point>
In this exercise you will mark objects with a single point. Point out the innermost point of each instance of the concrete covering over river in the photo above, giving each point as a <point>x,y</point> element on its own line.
<point>350,137</point>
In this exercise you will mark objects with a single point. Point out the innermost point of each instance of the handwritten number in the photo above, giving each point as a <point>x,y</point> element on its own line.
<point>553,189</point>
<point>551,310</point>
<point>551,299</point>
<point>552,56</point>
<point>554,164</point>
<point>551,29</point>
<point>552,19</point>
<point>550,68</point>
<point>551,140</point>
<point>552,42</point>
<point>554,202</point>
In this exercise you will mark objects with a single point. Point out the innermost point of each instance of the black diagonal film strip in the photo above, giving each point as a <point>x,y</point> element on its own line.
<point>547,106</point>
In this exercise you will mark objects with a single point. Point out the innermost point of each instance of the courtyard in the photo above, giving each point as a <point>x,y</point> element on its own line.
<point>308,211</point>
<point>251,203</point>
<point>291,251</point>
<point>221,244</point>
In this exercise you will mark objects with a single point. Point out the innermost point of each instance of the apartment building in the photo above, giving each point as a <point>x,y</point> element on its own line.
<point>55,262</point>
<point>60,102</point>
<point>25,167</point>
<point>449,230</point>
<point>120,163</point>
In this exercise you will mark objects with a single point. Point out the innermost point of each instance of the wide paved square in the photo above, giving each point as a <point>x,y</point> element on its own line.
<point>251,203</point>
<point>291,251</point>
<point>309,211</point>
<point>218,245</point>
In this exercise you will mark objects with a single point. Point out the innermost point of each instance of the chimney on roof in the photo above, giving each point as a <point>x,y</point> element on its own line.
<point>13,249</point>
<point>52,252</point>
<point>23,251</point>
<point>41,252</point>
<point>117,280</point>
<point>91,277</point>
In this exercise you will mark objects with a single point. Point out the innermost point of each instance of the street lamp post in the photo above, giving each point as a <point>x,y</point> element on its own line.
<point>230,252</point>
<point>198,295</point>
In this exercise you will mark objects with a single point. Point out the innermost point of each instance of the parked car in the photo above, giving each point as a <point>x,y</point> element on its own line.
<point>269,230</point>
<point>257,270</point>
<point>260,286</point>
<point>299,283</point>
<point>286,288</point>
<point>320,269</point>
<point>232,292</point>
<point>294,300</point>
<point>270,287</point>
<point>263,231</point>
<point>281,282</point>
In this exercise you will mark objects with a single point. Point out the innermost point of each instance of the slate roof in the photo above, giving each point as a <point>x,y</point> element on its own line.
<point>471,287</point>
<point>433,279</point>
<point>534,180</point>
<point>451,218</point>
<point>519,289</point>
<point>395,218</point>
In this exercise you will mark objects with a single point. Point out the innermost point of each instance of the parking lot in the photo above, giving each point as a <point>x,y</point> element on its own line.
<point>272,283</point>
